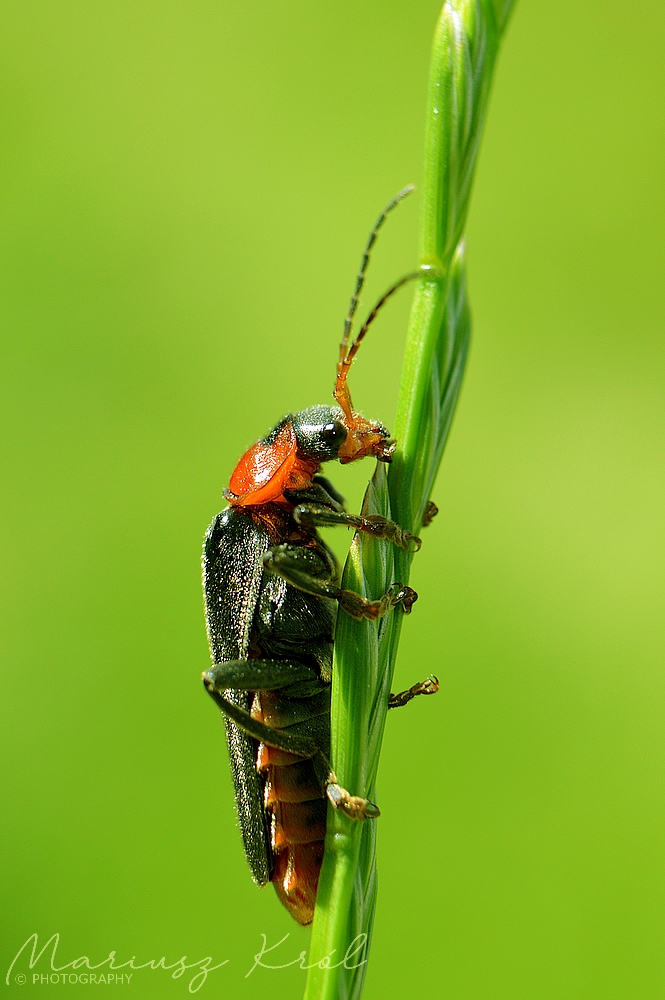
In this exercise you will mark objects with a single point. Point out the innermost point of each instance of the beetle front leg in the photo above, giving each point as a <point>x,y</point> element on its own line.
<point>288,562</point>
<point>314,516</point>
<point>429,686</point>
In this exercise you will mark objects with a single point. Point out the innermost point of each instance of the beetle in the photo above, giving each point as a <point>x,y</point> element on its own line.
<point>271,599</point>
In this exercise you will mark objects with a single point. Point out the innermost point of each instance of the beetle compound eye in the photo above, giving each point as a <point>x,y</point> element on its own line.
<point>334,433</point>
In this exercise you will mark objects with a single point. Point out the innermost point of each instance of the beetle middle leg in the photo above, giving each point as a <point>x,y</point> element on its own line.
<point>354,806</point>
<point>291,563</point>
<point>315,516</point>
<point>428,686</point>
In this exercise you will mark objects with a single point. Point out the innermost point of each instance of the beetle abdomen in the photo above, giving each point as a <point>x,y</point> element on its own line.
<point>296,879</point>
<point>296,808</point>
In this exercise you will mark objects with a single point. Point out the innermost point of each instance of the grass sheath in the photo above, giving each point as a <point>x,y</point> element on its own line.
<point>464,51</point>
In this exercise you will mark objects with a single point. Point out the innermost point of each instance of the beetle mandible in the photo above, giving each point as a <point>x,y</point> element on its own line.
<point>271,598</point>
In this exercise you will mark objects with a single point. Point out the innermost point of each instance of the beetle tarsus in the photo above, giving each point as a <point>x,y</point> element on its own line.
<point>360,607</point>
<point>429,686</point>
<point>352,806</point>
<point>406,596</point>
<point>430,513</point>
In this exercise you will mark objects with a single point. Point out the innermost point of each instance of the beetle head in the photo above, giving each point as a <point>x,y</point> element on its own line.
<point>325,433</point>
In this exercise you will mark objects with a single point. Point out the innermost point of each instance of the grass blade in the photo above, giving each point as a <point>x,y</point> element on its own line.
<point>463,55</point>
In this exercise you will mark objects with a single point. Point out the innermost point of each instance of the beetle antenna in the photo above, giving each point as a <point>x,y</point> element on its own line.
<point>341,392</point>
<point>353,350</point>
<point>360,280</point>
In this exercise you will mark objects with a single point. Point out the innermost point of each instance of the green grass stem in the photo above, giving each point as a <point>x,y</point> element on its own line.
<point>465,46</point>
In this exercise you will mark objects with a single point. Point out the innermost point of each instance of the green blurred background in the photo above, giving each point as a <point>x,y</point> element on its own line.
<point>185,193</point>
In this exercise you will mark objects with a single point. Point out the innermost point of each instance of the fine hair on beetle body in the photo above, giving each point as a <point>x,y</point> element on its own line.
<point>271,599</point>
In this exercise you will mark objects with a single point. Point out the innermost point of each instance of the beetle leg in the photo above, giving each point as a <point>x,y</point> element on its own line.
<point>354,806</point>
<point>301,746</point>
<point>256,675</point>
<point>429,686</point>
<point>314,516</point>
<point>286,561</point>
<point>360,607</point>
<point>331,490</point>
<point>321,492</point>
<point>430,513</point>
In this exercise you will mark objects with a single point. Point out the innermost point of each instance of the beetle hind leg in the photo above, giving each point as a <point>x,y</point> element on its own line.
<point>353,806</point>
